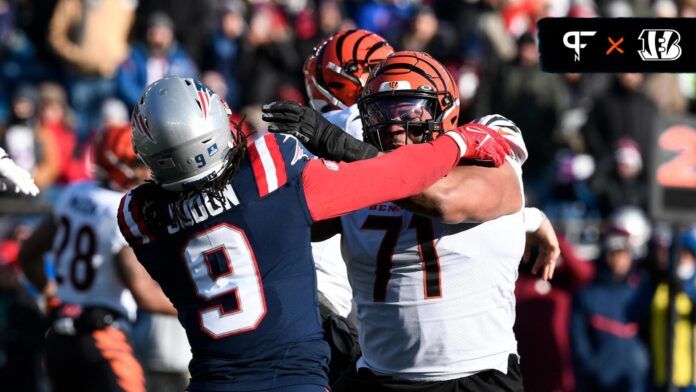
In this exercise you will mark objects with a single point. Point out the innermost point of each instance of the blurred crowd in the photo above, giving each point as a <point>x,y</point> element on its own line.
<point>69,68</point>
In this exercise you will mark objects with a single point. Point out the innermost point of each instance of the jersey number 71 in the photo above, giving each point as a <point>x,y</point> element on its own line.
<point>426,251</point>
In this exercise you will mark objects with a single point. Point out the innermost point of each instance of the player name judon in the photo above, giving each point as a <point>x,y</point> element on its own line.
<point>200,207</point>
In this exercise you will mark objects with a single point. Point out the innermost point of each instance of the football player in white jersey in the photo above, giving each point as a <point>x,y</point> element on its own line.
<point>99,282</point>
<point>435,293</point>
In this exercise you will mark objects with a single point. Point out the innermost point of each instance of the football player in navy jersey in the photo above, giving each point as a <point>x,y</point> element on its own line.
<point>224,227</point>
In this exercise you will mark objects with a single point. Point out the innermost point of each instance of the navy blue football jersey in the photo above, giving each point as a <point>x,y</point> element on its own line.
<point>239,271</point>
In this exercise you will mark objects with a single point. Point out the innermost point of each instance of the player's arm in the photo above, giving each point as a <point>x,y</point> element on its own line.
<point>32,253</point>
<point>470,193</point>
<point>147,293</point>
<point>333,189</point>
<point>540,233</point>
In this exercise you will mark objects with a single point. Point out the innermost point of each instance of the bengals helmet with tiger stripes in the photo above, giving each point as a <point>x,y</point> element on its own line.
<point>336,71</point>
<point>409,78</point>
<point>114,157</point>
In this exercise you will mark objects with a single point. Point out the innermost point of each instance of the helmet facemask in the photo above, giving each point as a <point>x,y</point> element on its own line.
<point>386,115</point>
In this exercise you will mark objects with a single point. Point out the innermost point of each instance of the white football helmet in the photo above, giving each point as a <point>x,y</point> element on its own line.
<point>181,130</point>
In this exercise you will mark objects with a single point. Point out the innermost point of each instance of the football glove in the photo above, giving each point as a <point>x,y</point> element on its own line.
<point>14,178</point>
<point>480,143</point>
<point>510,131</point>
<point>320,136</point>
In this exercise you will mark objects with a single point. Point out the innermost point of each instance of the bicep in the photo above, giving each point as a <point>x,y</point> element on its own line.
<point>129,268</point>
<point>475,193</point>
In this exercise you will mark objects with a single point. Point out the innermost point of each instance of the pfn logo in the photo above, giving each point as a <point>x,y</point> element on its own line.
<point>575,43</point>
<point>660,45</point>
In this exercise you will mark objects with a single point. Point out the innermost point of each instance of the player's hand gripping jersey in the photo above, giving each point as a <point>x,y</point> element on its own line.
<point>240,271</point>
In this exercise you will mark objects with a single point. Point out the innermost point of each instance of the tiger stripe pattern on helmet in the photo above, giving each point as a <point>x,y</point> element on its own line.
<point>334,73</point>
<point>114,156</point>
<point>413,74</point>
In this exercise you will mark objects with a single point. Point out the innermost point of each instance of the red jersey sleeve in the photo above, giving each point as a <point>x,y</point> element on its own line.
<point>333,189</point>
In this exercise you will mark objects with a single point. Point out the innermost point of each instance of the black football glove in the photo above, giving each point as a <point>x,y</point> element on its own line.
<point>320,136</point>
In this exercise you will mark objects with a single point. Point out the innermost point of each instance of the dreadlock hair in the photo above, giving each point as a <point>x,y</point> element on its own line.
<point>156,209</point>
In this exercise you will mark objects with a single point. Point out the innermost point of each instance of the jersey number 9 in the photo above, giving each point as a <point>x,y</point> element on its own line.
<point>221,264</point>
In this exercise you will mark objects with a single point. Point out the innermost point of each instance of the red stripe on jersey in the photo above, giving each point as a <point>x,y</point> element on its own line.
<point>257,168</point>
<point>278,161</point>
<point>204,106</point>
<point>125,230</point>
<point>135,212</point>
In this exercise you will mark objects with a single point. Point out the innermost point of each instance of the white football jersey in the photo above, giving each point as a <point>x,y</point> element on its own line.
<point>84,247</point>
<point>332,277</point>
<point>347,119</point>
<point>435,301</point>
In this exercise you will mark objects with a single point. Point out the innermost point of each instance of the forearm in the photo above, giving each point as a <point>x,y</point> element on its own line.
<point>351,186</point>
<point>33,269</point>
<point>32,253</point>
<point>150,298</point>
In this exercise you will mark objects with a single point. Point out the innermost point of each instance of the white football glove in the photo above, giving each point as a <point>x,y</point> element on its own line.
<point>14,178</point>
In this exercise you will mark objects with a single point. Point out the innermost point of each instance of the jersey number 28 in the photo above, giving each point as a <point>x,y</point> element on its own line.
<point>81,270</point>
<point>221,263</point>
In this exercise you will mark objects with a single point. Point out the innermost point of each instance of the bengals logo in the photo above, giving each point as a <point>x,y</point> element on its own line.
<point>395,85</point>
<point>660,45</point>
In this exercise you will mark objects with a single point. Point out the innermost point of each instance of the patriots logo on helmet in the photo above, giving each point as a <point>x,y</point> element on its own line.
<point>203,98</point>
<point>140,125</point>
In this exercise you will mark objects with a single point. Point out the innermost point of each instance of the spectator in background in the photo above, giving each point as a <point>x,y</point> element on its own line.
<point>427,34</point>
<point>624,111</point>
<point>388,18</point>
<point>33,148</point>
<point>22,325</point>
<point>536,100</point>
<point>55,120</point>
<point>19,63</point>
<point>331,19</point>
<point>159,56</point>
<point>684,359</point>
<point>192,21</point>
<point>91,37</point>
<point>607,350</point>
<point>224,48</point>
<point>583,90</point>
<point>542,323</point>
<point>621,182</point>
<point>269,59</point>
